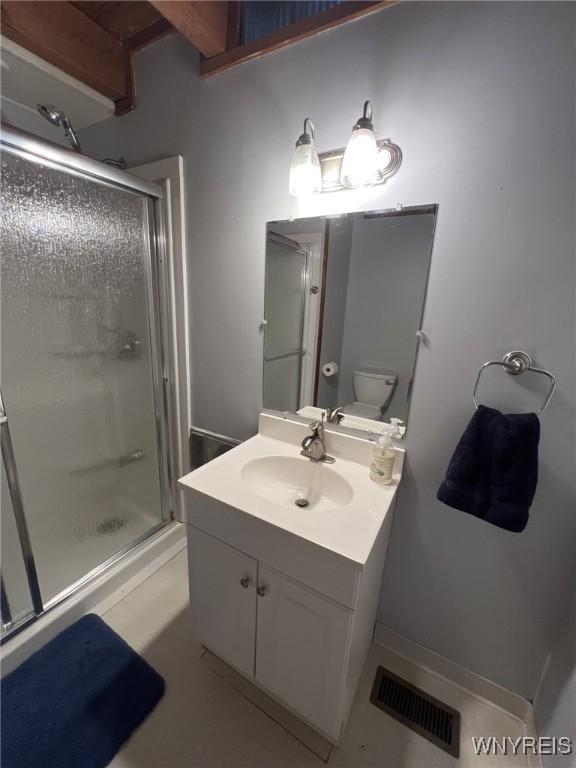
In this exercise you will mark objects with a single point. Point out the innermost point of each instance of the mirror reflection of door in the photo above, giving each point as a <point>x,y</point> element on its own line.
<point>284,314</point>
<point>293,298</point>
<point>344,304</point>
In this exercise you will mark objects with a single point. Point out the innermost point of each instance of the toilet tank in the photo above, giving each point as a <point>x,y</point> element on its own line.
<point>373,388</point>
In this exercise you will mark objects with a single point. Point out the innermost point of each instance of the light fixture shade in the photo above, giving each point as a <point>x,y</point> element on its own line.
<point>305,174</point>
<point>360,162</point>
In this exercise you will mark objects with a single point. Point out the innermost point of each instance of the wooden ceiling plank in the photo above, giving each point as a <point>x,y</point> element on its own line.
<point>293,33</point>
<point>203,23</point>
<point>149,35</point>
<point>233,24</point>
<point>65,37</point>
<point>123,19</point>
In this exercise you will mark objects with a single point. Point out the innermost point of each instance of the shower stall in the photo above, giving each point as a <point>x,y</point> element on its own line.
<point>84,422</point>
<point>284,311</point>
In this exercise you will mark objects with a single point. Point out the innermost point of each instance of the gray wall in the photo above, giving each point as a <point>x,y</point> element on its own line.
<point>386,287</point>
<point>555,702</point>
<point>480,96</point>
<point>27,120</point>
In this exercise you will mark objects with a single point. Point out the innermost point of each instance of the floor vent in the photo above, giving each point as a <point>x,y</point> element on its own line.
<point>418,710</point>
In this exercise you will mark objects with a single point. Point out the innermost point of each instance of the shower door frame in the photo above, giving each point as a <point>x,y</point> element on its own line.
<point>35,150</point>
<point>289,245</point>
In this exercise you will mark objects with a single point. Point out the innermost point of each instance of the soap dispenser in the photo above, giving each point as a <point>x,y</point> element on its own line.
<point>382,464</point>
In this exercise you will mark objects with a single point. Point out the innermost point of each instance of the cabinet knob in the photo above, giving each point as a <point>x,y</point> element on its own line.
<point>245,581</point>
<point>262,590</point>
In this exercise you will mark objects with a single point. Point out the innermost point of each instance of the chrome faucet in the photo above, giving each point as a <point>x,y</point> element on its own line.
<point>334,415</point>
<point>313,445</point>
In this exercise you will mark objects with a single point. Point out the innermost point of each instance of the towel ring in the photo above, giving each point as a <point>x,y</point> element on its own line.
<point>515,363</point>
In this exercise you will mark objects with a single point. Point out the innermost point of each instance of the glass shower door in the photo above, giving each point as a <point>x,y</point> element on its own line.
<point>284,313</point>
<point>16,603</point>
<point>80,367</point>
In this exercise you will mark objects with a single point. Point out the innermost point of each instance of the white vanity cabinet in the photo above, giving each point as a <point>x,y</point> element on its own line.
<point>301,642</point>
<point>284,594</point>
<point>302,647</point>
<point>222,597</point>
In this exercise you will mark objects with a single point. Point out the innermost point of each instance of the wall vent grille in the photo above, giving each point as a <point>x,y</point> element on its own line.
<point>416,709</point>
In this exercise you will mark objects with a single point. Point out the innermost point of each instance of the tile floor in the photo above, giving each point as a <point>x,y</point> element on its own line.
<point>205,722</point>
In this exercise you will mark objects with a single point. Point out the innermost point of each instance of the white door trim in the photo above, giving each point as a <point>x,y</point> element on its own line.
<point>169,174</point>
<point>314,245</point>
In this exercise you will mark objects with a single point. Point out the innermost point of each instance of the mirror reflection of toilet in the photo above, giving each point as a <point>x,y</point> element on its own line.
<point>373,392</point>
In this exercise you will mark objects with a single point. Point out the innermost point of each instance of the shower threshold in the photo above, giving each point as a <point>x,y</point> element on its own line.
<point>96,592</point>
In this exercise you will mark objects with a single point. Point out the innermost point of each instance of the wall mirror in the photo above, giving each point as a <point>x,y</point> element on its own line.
<point>344,299</point>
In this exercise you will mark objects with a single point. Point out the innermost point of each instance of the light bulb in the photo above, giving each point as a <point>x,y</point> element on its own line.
<point>305,175</point>
<point>360,162</point>
<point>305,172</point>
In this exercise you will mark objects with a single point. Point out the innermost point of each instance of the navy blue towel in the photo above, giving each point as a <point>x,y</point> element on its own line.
<point>74,702</point>
<point>494,470</point>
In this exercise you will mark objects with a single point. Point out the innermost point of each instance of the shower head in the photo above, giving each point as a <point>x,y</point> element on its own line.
<point>50,113</point>
<point>60,119</point>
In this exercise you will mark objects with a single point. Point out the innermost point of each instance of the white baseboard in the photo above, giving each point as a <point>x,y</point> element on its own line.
<point>464,678</point>
<point>98,596</point>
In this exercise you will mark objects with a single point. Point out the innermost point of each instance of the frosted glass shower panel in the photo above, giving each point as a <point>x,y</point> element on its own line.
<point>282,384</point>
<point>285,276</point>
<point>77,372</point>
<point>284,310</point>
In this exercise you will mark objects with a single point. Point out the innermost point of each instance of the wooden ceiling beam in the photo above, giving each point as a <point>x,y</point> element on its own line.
<point>203,23</point>
<point>159,29</point>
<point>233,24</point>
<point>122,18</point>
<point>290,34</point>
<point>65,37</point>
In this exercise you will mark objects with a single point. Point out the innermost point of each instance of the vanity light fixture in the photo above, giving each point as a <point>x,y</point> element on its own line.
<point>360,162</point>
<point>305,173</point>
<point>365,161</point>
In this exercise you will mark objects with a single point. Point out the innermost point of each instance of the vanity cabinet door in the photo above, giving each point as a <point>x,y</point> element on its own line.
<point>302,647</point>
<point>223,599</point>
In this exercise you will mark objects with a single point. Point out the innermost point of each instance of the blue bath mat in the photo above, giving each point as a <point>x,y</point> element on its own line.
<point>76,700</point>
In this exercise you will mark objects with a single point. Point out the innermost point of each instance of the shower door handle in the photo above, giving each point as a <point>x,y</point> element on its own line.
<point>18,508</point>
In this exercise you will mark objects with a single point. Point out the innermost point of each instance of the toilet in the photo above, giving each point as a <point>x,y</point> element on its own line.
<point>372,391</point>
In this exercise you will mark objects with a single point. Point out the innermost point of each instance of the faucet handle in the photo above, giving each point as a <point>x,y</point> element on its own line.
<point>317,427</point>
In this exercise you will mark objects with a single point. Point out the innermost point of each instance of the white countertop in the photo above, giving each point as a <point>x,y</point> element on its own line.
<point>349,530</point>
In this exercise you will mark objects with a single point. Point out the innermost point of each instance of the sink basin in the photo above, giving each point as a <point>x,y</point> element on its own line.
<point>296,482</point>
<point>262,480</point>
